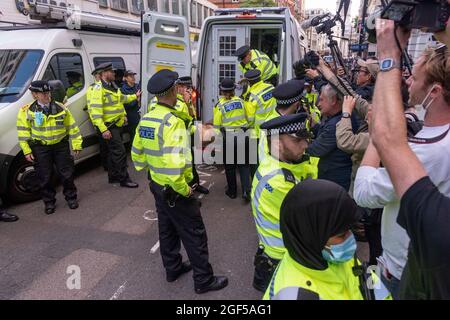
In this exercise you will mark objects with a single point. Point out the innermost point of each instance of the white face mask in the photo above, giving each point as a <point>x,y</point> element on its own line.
<point>424,106</point>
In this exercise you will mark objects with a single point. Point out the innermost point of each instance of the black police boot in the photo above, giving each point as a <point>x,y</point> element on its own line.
<point>7,217</point>
<point>113,180</point>
<point>185,267</point>
<point>217,283</point>
<point>73,204</point>
<point>128,184</point>
<point>201,189</point>
<point>230,194</point>
<point>50,208</point>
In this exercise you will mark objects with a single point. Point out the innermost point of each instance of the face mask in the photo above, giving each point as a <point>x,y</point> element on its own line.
<point>424,106</point>
<point>340,253</point>
<point>39,118</point>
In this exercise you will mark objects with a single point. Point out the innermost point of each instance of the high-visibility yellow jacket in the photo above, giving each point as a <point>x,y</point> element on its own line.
<point>230,113</point>
<point>263,63</point>
<point>56,126</point>
<point>106,106</point>
<point>260,103</point>
<point>162,146</point>
<point>74,89</point>
<point>313,110</point>
<point>293,281</point>
<point>89,92</point>
<point>273,180</point>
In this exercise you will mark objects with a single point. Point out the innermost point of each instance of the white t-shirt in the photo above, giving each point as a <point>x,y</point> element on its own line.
<point>374,189</point>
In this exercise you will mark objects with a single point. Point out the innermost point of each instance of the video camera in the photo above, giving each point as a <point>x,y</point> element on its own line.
<point>310,61</point>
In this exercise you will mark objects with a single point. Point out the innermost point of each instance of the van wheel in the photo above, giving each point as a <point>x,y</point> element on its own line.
<point>23,182</point>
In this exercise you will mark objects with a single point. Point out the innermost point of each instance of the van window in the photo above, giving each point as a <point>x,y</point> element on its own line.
<point>17,69</point>
<point>67,67</point>
<point>117,62</point>
<point>227,46</point>
<point>227,70</point>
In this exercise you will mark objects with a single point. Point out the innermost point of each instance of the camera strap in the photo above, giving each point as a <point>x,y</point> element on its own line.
<point>429,140</point>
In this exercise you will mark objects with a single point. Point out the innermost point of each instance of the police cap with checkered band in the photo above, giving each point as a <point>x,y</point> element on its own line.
<point>161,82</point>
<point>290,124</point>
<point>289,92</point>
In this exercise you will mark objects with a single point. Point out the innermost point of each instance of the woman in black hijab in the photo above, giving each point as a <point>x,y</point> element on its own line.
<point>315,221</point>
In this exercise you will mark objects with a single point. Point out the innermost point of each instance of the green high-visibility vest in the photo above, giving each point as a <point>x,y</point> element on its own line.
<point>273,180</point>
<point>263,63</point>
<point>230,113</point>
<point>162,146</point>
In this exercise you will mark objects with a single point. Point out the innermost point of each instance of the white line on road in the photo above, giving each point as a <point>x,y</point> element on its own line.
<point>155,248</point>
<point>119,291</point>
<point>150,215</point>
<point>209,188</point>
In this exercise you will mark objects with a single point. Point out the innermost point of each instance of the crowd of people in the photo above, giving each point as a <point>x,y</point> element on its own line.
<point>338,159</point>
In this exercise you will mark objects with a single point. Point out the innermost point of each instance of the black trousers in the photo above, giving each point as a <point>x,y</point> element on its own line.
<point>182,223</point>
<point>103,151</point>
<point>58,155</point>
<point>262,276</point>
<point>372,229</point>
<point>116,155</point>
<point>232,143</point>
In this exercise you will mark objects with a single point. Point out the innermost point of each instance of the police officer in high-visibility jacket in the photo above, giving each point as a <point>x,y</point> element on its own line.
<point>260,104</point>
<point>44,128</point>
<point>76,84</point>
<point>161,146</point>
<point>230,118</point>
<point>251,59</point>
<point>108,115</point>
<point>311,99</point>
<point>320,263</point>
<point>277,173</point>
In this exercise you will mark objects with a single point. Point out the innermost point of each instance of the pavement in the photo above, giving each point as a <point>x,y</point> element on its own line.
<point>108,248</point>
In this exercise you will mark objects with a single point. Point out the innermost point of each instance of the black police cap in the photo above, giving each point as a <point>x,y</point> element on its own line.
<point>40,86</point>
<point>187,81</point>
<point>105,66</point>
<point>162,81</point>
<point>292,123</point>
<point>253,75</point>
<point>289,92</point>
<point>227,84</point>
<point>242,52</point>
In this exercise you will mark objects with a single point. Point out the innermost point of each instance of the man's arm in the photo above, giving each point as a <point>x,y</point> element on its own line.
<point>388,121</point>
<point>324,143</point>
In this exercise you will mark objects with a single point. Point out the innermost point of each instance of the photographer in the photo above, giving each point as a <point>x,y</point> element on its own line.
<point>422,208</point>
<point>366,77</point>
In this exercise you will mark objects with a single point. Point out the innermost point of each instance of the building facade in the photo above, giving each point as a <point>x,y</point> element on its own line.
<point>227,3</point>
<point>196,11</point>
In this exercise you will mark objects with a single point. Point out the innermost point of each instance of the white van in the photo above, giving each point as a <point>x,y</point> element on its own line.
<point>271,30</point>
<point>39,52</point>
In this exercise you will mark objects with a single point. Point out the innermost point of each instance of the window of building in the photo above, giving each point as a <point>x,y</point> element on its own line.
<point>175,7</point>
<point>184,8</point>
<point>205,12</point>
<point>67,67</point>
<point>166,6</point>
<point>103,3</point>
<point>193,14</point>
<point>227,70</point>
<point>227,46</point>
<point>199,15</point>
<point>121,5</point>
<point>152,5</point>
<point>137,6</point>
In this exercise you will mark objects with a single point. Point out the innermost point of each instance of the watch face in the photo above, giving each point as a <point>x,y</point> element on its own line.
<point>386,64</point>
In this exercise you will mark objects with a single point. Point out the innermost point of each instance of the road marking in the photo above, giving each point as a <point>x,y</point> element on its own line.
<point>222,172</point>
<point>209,188</point>
<point>203,174</point>
<point>118,291</point>
<point>150,215</point>
<point>155,248</point>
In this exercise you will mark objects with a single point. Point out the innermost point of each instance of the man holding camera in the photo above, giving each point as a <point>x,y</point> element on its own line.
<point>428,88</point>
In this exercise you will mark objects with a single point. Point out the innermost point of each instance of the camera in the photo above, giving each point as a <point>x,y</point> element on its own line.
<point>310,61</point>
<point>427,15</point>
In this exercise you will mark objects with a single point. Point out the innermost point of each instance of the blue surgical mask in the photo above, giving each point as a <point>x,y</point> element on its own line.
<point>39,118</point>
<point>340,253</point>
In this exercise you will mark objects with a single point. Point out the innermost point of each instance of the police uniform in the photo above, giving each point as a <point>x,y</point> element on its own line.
<point>44,131</point>
<point>273,180</point>
<point>230,117</point>
<point>162,148</point>
<point>108,113</point>
<point>75,86</point>
<point>259,61</point>
<point>311,99</point>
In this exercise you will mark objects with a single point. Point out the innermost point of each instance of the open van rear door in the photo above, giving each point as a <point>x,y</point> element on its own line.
<point>165,44</point>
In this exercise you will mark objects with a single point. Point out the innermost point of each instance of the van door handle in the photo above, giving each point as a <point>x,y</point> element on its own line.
<point>168,28</point>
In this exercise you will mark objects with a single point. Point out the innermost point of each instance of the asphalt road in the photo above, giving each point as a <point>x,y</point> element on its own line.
<point>111,242</point>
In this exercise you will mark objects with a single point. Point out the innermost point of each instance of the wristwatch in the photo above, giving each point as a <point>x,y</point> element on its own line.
<point>346,115</point>
<point>389,64</point>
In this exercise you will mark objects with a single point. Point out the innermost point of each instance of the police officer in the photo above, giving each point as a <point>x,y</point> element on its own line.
<point>260,104</point>
<point>109,116</point>
<point>186,111</point>
<point>5,216</point>
<point>230,117</point>
<point>44,128</point>
<point>286,166</point>
<point>311,99</point>
<point>256,60</point>
<point>75,82</point>
<point>162,147</point>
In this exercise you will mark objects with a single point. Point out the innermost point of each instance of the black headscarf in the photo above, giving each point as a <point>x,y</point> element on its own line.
<point>312,212</point>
